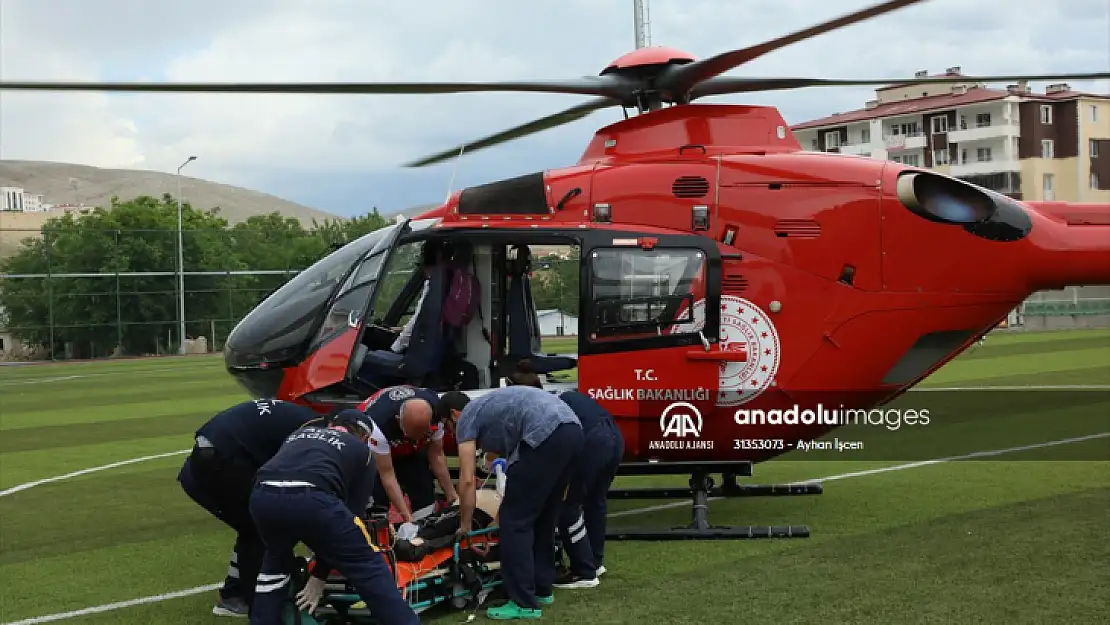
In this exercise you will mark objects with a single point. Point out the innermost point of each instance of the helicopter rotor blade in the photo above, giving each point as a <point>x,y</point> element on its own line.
<point>566,116</point>
<point>726,85</point>
<point>680,79</point>
<point>586,85</point>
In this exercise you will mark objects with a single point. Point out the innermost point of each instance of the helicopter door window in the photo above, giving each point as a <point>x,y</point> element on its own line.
<point>404,262</point>
<point>346,310</point>
<point>642,293</point>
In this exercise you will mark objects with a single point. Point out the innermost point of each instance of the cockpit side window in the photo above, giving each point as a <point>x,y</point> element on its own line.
<point>285,319</point>
<point>638,293</point>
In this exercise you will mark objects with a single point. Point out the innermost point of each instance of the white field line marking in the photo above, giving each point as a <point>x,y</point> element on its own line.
<point>842,476</point>
<point>57,378</point>
<point>59,478</point>
<point>115,606</point>
<point>94,374</point>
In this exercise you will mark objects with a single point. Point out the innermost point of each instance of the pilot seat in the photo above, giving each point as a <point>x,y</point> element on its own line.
<point>524,327</point>
<point>427,346</point>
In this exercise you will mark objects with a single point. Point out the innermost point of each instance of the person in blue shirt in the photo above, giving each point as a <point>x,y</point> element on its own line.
<point>582,522</point>
<point>219,476</point>
<point>541,437</point>
<point>315,490</point>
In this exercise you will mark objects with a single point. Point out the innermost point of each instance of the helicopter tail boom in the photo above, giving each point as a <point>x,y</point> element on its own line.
<point>1073,245</point>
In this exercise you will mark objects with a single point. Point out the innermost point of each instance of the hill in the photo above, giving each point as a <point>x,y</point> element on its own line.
<point>410,212</point>
<point>95,187</point>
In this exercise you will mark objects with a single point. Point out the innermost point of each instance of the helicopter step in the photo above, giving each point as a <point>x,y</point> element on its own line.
<point>701,489</point>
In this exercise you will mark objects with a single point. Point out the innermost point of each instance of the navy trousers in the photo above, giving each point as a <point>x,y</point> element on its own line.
<point>415,478</point>
<point>223,488</point>
<point>287,516</point>
<point>582,519</point>
<point>529,514</point>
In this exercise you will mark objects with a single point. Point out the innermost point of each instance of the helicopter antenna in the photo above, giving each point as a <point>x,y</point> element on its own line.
<point>642,20</point>
<point>454,170</point>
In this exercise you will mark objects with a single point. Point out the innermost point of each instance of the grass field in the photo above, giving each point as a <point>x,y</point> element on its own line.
<point>1013,538</point>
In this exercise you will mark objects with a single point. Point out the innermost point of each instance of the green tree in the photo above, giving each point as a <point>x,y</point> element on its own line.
<point>555,283</point>
<point>334,233</point>
<point>95,314</point>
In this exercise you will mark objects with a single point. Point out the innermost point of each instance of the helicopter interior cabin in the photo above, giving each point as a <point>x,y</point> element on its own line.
<point>402,337</point>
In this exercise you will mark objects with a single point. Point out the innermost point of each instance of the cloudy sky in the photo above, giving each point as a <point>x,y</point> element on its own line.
<point>343,153</point>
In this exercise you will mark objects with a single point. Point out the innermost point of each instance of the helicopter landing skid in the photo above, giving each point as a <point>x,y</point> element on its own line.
<point>701,489</point>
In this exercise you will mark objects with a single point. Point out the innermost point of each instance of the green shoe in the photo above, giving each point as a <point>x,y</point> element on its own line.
<point>512,611</point>
<point>548,600</point>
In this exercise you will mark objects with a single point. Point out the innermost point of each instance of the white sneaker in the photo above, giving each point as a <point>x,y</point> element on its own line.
<point>600,570</point>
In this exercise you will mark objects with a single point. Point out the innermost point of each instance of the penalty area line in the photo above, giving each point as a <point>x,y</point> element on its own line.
<point>841,476</point>
<point>59,478</point>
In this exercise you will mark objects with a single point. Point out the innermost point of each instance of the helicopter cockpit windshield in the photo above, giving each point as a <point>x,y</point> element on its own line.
<point>279,327</point>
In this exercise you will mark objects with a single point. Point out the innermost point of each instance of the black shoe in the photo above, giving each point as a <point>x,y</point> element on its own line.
<point>570,580</point>
<point>231,606</point>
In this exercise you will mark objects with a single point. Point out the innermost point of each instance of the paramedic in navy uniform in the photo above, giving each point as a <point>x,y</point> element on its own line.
<point>582,520</point>
<point>313,491</point>
<point>219,475</point>
<point>407,443</point>
<point>541,437</point>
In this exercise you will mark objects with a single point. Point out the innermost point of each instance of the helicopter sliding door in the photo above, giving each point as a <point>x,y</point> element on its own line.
<point>650,322</point>
<point>331,347</point>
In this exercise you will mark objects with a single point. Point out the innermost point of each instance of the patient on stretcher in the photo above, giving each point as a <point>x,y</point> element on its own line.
<point>438,531</point>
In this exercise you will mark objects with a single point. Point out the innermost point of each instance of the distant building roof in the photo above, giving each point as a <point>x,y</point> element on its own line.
<point>907,107</point>
<point>973,95</point>
<point>951,71</point>
<point>1067,95</point>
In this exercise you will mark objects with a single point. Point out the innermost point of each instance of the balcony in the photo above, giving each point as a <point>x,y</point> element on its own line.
<point>914,141</point>
<point>977,133</point>
<point>972,168</point>
<point>856,149</point>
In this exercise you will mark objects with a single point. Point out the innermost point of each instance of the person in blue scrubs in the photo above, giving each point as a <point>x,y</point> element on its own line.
<point>541,437</point>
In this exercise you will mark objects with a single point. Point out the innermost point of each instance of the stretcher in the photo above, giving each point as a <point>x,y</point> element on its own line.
<point>461,573</point>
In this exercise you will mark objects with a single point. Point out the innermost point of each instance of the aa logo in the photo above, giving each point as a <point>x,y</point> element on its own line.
<point>680,419</point>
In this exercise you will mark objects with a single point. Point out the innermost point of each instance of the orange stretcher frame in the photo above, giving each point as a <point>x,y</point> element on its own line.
<point>406,574</point>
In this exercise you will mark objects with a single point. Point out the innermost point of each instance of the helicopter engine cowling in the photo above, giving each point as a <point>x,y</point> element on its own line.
<point>1045,245</point>
<point>951,201</point>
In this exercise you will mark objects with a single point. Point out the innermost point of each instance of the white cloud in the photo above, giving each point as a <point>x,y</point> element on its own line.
<point>239,139</point>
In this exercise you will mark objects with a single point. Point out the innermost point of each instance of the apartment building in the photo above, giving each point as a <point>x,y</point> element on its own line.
<point>1034,146</point>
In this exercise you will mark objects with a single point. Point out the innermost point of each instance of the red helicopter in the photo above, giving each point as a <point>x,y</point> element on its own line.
<point>777,277</point>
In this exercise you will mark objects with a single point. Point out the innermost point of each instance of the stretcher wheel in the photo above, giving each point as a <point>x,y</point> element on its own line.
<point>458,600</point>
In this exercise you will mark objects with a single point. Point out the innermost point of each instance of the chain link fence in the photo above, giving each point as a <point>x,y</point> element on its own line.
<point>118,294</point>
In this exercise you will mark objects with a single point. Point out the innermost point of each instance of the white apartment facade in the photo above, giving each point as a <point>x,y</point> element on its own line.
<point>15,199</point>
<point>1031,146</point>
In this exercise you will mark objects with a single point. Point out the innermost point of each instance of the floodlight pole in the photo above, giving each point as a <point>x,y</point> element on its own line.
<point>181,266</point>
